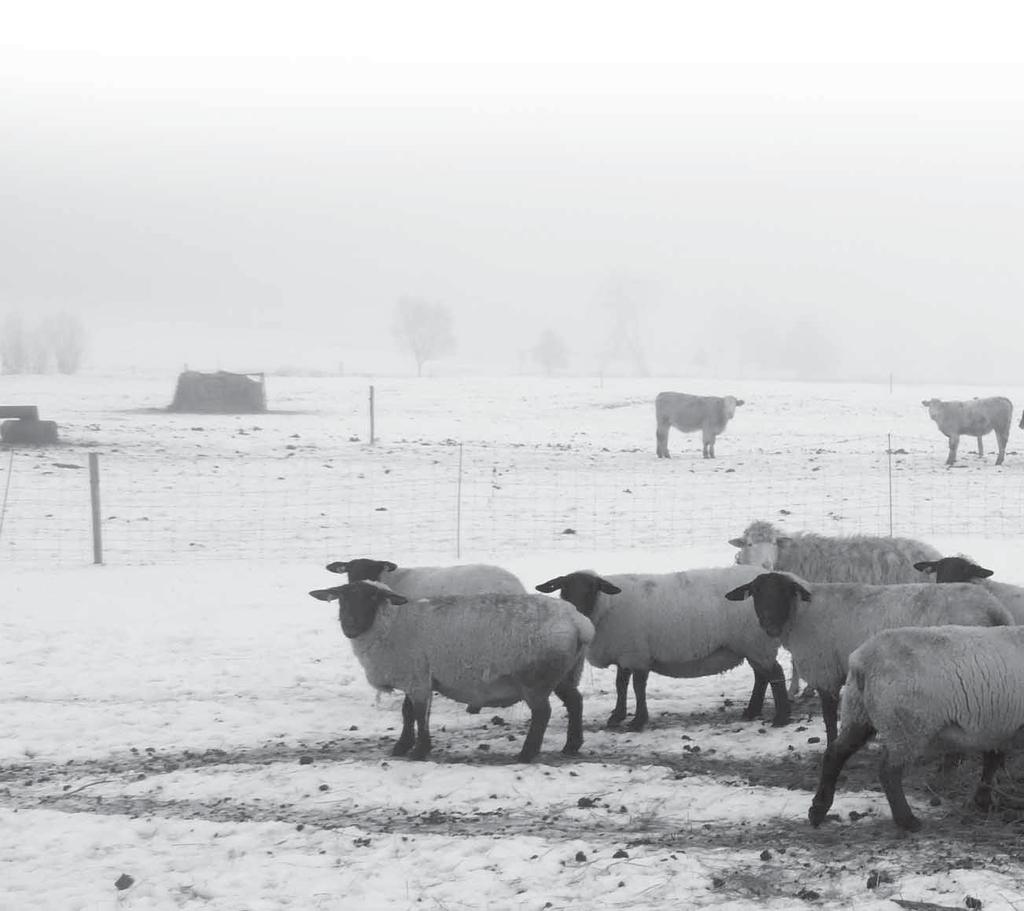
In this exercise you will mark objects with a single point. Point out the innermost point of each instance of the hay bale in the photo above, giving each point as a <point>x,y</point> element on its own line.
<point>219,393</point>
<point>29,433</point>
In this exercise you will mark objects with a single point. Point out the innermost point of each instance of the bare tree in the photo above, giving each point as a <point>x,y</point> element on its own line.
<point>425,329</point>
<point>66,337</point>
<point>550,351</point>
<point>37,350</point>
<point>623,300</point>
<point>13,351</point>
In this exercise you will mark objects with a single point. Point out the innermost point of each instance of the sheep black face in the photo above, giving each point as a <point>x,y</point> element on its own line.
<point>357,604</point>
<point>362,569</point>
<point>580,589</point>
<point>953,569</point>
<point>773,595</point>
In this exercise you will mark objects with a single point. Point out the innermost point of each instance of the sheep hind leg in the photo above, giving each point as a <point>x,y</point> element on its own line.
<point>618,714</point>
<point>540,713</point>
<point>991,762</point>
<point>830,714</point>
<point>640,716</point>
<point>832,764</point>
<point>891,775</point>
<point>573,702</point>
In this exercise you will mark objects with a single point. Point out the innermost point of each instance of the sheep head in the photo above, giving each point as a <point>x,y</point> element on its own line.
<point>362,569</point>
<point>580,589</point>
<point>358,603</point>
<point>773,594</point>
<point>953,569</point>
<point>759,545</point>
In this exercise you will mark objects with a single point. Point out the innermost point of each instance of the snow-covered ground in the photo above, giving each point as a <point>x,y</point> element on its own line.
<point>187,716</point>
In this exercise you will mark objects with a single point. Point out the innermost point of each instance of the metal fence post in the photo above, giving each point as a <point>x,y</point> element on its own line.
<point>94,496</point>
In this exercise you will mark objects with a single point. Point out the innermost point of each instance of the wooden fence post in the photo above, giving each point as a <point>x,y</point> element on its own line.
<point>372,438</point>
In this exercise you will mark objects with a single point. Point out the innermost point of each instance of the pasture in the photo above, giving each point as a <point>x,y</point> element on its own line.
<point>187,716</point>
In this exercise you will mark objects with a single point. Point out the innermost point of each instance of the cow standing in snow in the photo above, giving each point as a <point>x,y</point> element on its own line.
<point>975,418</point>
<point>707,413</point>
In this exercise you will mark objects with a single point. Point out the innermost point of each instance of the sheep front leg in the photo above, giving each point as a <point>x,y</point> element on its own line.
<point>832,764</point>
<point>573,702</point>
<point>756,703</point>
<point>540,713</point>
<point>991,762</point>
<point>640,692</point>
<point>421,713</point>
<point>780,696</point>
<point>618,714</point>
<point>891,775</point>
<point>830,714</point>
<point>408,736</point>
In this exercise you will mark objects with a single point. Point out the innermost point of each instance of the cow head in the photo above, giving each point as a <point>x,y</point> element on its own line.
<point>934,407</point>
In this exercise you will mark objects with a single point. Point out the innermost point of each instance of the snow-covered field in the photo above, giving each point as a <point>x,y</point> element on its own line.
<point>187,716</point>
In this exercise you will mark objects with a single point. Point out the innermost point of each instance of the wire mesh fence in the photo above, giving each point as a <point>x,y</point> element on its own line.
<point>448,499</point>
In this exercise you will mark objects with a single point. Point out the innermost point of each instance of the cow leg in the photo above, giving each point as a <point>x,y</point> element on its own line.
<point>709,444</point>
<point>640,691</point>
<point>618,714</point>
<point>981,447</point>
<point>954,441</point>
<point>661,437</point>
<point>1001,439</point>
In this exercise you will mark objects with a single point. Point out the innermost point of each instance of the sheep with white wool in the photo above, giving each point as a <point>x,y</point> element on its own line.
<point>486,649</point>
<point>898,687</point>
<point>821,623</point>
<point>962,569</point>
<point>872,559</point>
<point>675,624</point>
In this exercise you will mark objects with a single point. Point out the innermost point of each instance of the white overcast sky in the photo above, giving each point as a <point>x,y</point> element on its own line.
<point>254,185</point>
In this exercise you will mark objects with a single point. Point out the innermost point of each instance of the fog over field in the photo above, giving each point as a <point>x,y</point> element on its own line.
<point>247,192</point>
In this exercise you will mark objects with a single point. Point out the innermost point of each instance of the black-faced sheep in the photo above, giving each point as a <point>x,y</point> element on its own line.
<point>898,687</point>
<point>872,559</point>
<point>821,623</point>
<point>487,649</point>
<point>974,418</point>
<point>707,413</point>
<point>675,624</point>
<point>960,569</point>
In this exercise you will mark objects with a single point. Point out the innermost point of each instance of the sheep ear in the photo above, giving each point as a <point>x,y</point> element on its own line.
<point>804,594</point>
<point>926,566</point>
<point>338,567</point>
<point>396,598</point>
<point>979,572</point>
<point>605,586</point>
<point>325,594</point>
<point>737,542</point>
<point>551,585</point>
<point>738,594</point>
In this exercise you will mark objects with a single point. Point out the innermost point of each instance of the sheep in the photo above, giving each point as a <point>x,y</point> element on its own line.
<point>487,649</point>
<point>872,559</point>
<point>415,582</point>
<point>898,687</point>
<point>960,569</point>
<point>676,624</point>
<point>431,581</point>
<point>822,622</point>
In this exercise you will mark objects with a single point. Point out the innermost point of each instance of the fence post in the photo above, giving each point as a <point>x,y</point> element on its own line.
<point>371,417</point>
<point>889,451</point>
<point>94,496</point>
<point>458,510</point>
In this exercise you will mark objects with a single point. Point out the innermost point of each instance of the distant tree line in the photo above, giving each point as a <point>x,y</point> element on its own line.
<point>54,342</point>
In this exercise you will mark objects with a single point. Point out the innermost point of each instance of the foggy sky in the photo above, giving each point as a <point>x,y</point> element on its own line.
<point>196,201</point>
